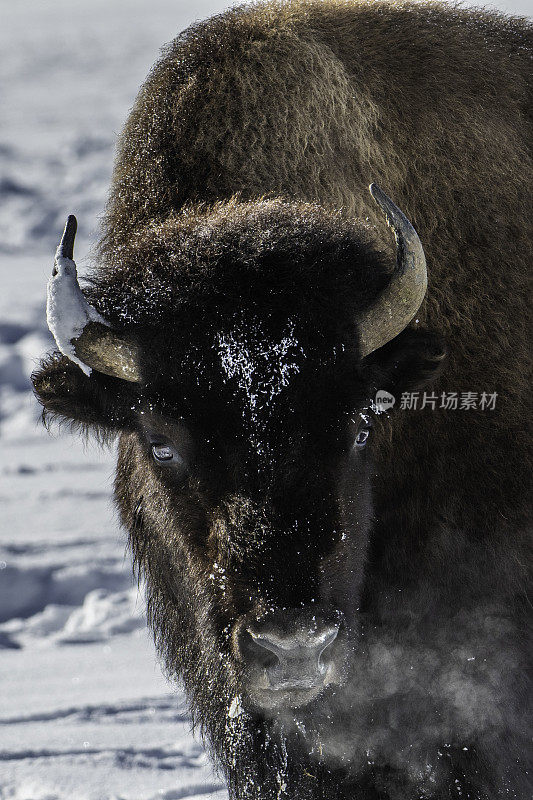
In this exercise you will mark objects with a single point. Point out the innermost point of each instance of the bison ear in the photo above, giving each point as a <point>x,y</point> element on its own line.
<point>94,403</point>
<point>412,360</point>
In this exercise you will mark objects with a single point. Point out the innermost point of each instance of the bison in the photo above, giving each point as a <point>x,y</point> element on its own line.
<point>340,581</point>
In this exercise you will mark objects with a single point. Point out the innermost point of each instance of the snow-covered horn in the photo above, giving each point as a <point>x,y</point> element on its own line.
<point>81,333</point>
<point>398,303</point>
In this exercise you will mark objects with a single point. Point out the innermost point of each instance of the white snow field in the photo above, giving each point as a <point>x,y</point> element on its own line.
<point>85,710</point>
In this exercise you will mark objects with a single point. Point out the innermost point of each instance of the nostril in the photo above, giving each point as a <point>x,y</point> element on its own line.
<point>299,657</point>
<point>328,637</point>
<point>324,653</point>
<point>254,651</point>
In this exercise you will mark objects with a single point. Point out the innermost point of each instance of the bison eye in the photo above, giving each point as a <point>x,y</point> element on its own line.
<point>165,453</point>
<point>362,437</point>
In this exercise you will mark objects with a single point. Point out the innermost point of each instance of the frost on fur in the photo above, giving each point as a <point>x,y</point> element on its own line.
<point>67,310</point>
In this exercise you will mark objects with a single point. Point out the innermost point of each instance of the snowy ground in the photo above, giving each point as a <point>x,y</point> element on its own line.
<point>85,709</point>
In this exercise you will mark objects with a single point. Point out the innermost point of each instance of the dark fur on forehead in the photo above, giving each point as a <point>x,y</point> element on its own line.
<point>268,254</point>
<point>177,283</point>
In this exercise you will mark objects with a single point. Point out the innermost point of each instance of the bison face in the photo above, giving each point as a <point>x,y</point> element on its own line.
<point>259,503</point>
<point>245,483</point>
<point>245,460</point>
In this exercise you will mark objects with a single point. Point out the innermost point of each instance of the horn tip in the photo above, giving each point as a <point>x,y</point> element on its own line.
<point>66,245</point>
<point>71,225</point>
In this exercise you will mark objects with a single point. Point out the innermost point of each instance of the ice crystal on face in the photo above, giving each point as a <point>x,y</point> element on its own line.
<point>262,367</point>
<point>235,709</point>
<point>281,775</point>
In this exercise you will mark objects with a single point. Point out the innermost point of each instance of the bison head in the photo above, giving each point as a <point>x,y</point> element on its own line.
<point>236,349</point>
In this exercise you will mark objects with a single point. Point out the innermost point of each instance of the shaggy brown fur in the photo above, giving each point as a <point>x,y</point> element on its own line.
<point>309,102</point>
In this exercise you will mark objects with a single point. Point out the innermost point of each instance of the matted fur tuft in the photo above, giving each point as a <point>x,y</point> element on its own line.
<point>92,405</point>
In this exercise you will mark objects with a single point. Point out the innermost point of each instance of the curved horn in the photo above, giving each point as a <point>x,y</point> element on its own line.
<point>81,333</point>
<point>400,300</point>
